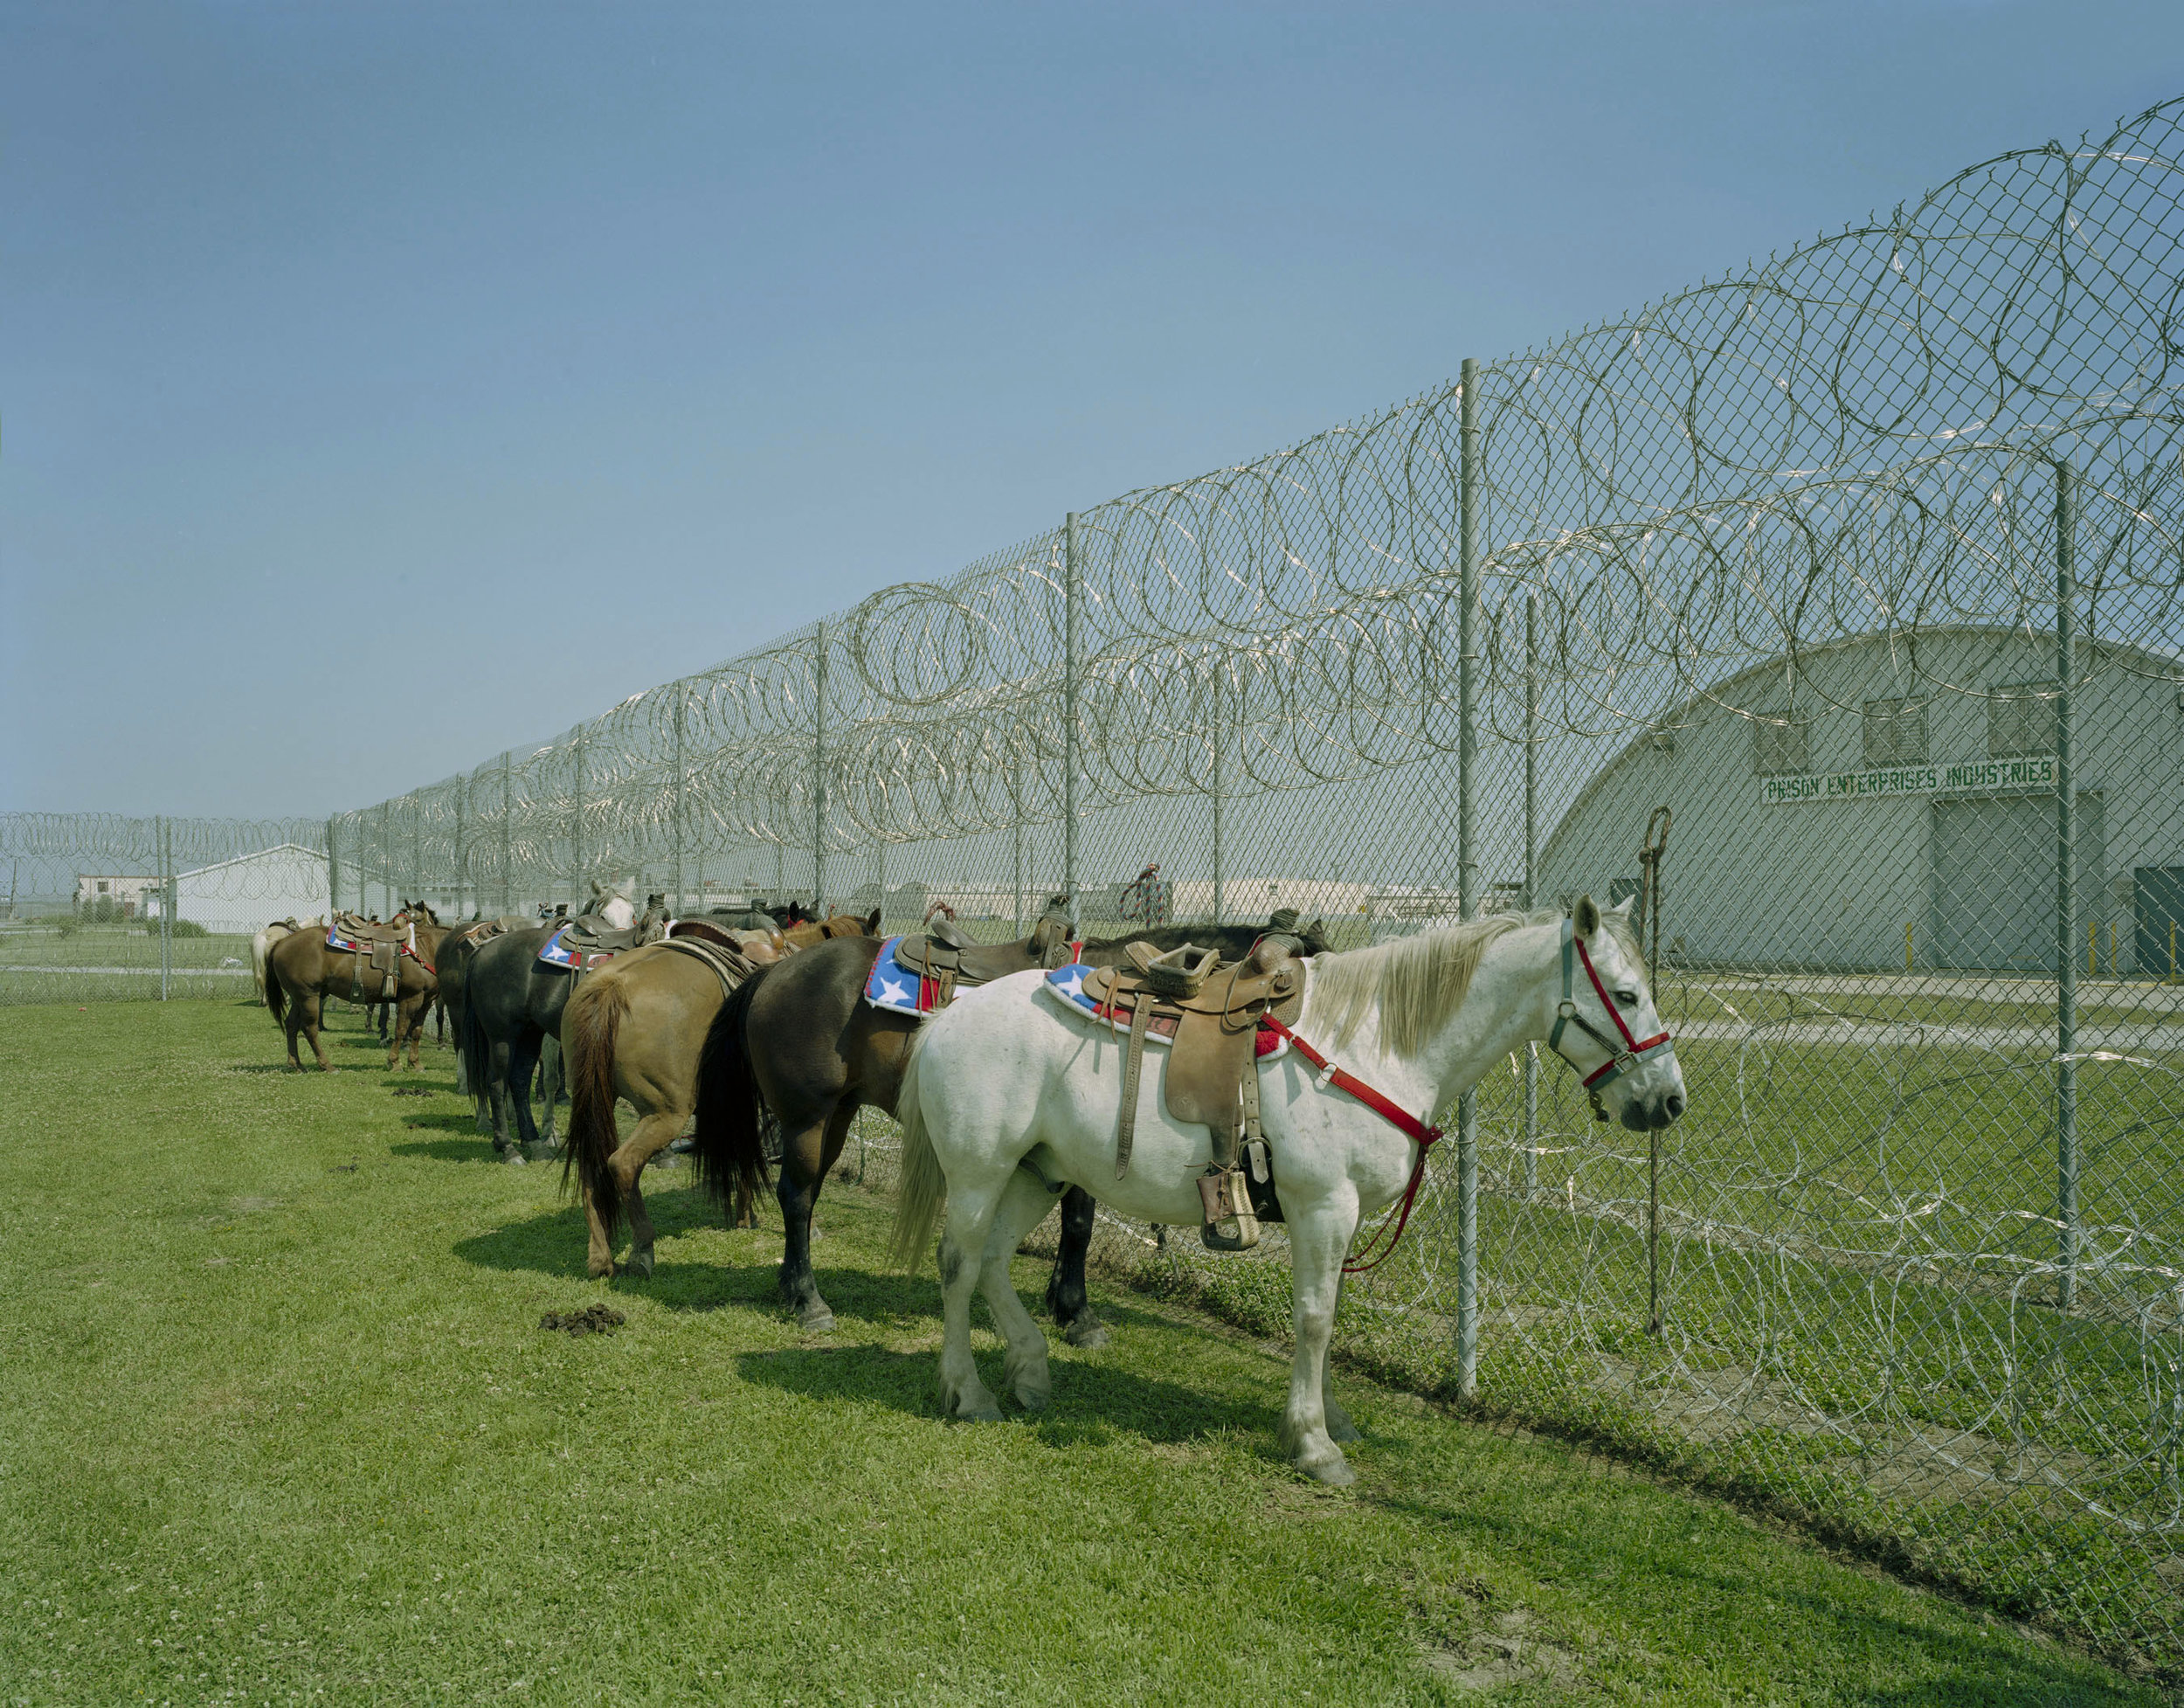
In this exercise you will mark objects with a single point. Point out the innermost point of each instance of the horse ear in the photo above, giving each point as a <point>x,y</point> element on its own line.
<point>872,924</point>
<point>1621,909</point>
<point>1586,916</point>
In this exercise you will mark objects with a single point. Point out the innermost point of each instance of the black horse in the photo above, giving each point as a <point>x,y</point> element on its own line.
<point>512,1003</point>
<point>796,1050</point>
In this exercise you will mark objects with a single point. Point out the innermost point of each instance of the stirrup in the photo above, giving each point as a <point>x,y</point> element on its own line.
<point>1226,1197</point>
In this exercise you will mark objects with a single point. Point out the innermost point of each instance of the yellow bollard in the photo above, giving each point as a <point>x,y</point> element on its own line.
<point>1907,945</point>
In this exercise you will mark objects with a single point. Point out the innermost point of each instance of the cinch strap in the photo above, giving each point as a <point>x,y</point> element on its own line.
<point>1401,1119</point>
<point>1573,951</point>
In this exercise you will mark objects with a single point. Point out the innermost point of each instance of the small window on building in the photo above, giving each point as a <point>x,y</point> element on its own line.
<point>1896,732</point>
<point>102,886</point>
<point>2020,719</point>
<point>1780,742</point>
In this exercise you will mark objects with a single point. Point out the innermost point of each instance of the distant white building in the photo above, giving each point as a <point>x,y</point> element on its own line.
<point>1888,801</point>
<point>110,896</point>
<point>243,893</point>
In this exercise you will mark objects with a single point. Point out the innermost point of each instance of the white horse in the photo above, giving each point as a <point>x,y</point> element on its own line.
<point>1008,1093</point>
<point>611,906</point>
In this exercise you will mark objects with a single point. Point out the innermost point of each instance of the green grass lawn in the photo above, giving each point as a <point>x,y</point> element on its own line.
<point>281,1425</point>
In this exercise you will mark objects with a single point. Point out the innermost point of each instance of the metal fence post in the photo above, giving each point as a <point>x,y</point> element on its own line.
<point>417,848</point>
<point>681,826</point>
<point>166,839</point>
<point>1467,876</point>
<point>2065,889</point>
<point>576,832</point>
<point>1016,816</point>
<point>818,776</point>
<point>462,875</point>
<point>386,857</point>
<point>1532,870</point>
<point>1072,645</point>
<point>1218,780</point>
<point>333,869</point>
<point>507,839</point>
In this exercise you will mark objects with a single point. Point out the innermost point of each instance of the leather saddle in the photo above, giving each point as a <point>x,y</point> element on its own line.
<point>375,946</point>
<point>941,953</point>
<point>1210,1011</point>
<point>588,941</point>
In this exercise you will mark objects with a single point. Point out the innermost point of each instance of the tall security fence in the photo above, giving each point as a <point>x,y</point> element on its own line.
<point>1829,612</point>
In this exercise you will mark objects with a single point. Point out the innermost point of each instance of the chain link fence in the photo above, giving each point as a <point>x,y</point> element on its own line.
<point>1865,565</point>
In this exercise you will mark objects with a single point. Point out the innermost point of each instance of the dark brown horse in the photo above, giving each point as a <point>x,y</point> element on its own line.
<point>302,971</point>
<point>797,1047</point>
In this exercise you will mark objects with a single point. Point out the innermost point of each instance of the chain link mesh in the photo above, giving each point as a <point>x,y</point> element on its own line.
<point>1866,564</point>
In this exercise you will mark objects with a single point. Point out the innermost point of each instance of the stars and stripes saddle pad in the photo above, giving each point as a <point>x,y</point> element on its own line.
<point>897,990</point>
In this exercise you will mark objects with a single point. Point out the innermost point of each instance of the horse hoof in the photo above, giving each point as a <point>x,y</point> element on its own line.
<point>1088,1332</point>
<point>600,1271</point>
<point>639,1264</point>
<point>1033,1397</point>
<point>815,1319</point>
<point>1335,1472</point>
<point>514,1156</point>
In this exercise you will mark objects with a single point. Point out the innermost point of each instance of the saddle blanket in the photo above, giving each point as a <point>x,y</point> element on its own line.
<point>558,953</point>
<point>895,989</point>
<point>1065,985</point>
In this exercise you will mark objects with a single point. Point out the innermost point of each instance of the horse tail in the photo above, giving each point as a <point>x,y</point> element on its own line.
<point>732,1117</point>
<point>922,1193</point>
<point>276,994</point>
<point>591,1023</point>
<point>470,1039</point>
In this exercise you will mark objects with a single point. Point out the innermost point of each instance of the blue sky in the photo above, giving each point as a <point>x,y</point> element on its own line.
<point>569,348</point>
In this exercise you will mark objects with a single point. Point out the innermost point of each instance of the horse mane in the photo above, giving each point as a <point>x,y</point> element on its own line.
<point>1416,983</point>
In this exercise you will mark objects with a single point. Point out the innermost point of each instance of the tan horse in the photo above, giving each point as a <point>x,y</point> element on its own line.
<point>840,925</point>
<point>634,1031</point>
<point>262,942</point>
<point>301,971</point>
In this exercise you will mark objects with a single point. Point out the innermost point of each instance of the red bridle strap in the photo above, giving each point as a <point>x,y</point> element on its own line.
<point>1401,1119</point>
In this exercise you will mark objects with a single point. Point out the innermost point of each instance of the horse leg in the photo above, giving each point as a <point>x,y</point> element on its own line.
<point>420,1006</point>
<point>308,1017</point>
<point>962,1266</point>
<point>548,1084</point>
<point>1339,1426</point>
<point>648,1139</point>
<point>291,1024</point>
<point>522,1060</point>
<point>1065,1299</point>
<point>504,1094</point>
<point>805,1159</point>
<point>1317,1244</point>
<point>1023,1206</point>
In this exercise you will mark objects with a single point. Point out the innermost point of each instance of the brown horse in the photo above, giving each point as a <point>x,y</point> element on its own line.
<point>811,931</point>
<point>301,971</point>
<point>671,1000</point>
<point>634,1031</point>
<point>797,1046</point>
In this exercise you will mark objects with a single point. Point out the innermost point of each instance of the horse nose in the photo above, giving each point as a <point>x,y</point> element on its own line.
<point>1672,1105</point>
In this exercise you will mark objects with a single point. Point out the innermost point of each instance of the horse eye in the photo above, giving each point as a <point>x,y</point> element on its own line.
<point>1629,999</point>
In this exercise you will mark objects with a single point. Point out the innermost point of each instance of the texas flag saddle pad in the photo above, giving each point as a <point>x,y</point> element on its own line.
<point>1065,985</point>
<point>896,990</point>
<point>558,953</point>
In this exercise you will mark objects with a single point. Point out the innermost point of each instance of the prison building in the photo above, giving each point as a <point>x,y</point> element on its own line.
<point>240,895</point>
<point>1889,800</point>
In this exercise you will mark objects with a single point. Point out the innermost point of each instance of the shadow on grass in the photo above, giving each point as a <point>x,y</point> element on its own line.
<point>463,1121</point>
<point>1095,1404</point>
<point>446,1150</point>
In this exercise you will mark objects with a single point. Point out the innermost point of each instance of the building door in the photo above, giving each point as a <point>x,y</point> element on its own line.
<point>1993,880</point>
<point>2157,895</point>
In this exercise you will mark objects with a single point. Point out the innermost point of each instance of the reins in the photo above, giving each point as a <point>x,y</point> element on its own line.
<point>1426,1136</point>
<point>1401,1119</point>
<point>1619,1058</point>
